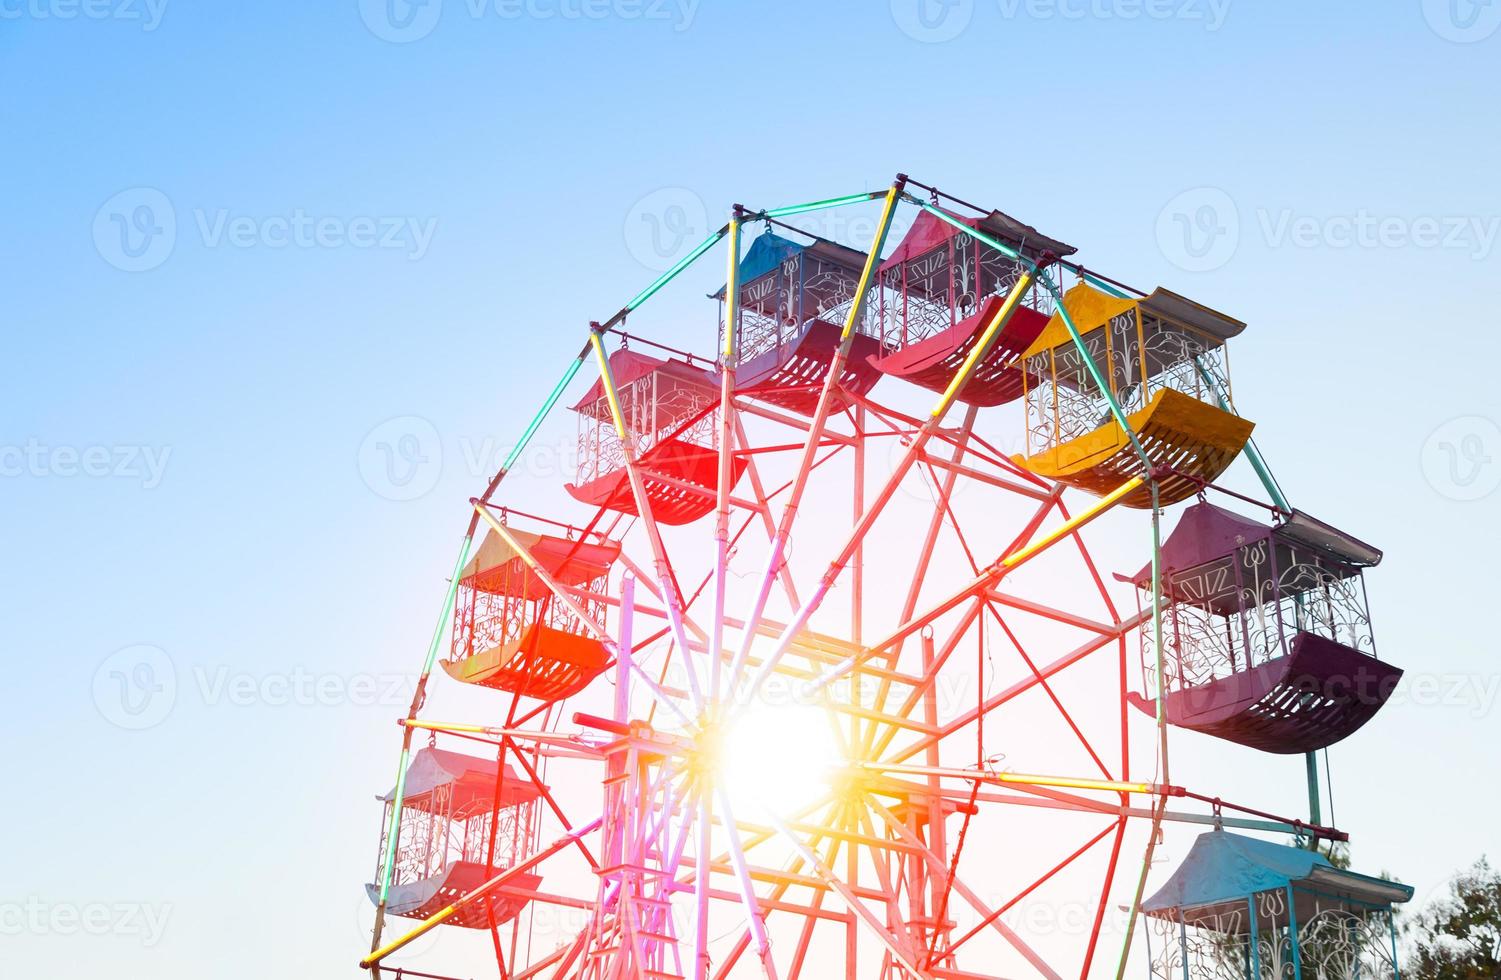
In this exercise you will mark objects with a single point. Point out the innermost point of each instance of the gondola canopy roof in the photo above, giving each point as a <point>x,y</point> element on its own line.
<point>1223,870</point>
<point>929,231</point>
<point>770,250</point>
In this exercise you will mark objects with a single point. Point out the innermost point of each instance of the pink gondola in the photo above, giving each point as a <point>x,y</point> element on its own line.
<point>938,292</point>
<point>670,407</point>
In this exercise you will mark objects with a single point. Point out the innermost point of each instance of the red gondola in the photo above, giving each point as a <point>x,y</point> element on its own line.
<point>443,841</point>
<point>794,300</point>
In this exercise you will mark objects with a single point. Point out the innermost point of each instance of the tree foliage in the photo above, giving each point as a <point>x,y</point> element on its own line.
<point>1458,936</point>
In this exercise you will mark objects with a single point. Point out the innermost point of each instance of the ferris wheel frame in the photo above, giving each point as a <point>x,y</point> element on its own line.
<point>661,797</point>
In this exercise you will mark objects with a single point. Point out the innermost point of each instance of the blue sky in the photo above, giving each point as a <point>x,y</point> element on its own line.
<point>240,239</point>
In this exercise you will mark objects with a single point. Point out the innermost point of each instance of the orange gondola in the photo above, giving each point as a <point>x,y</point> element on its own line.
<point>511,633</point>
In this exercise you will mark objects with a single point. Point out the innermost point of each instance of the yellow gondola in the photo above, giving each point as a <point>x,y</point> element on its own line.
<point>1164,359</point>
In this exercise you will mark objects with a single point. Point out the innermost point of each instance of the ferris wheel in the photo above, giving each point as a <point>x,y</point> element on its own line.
<point>812,671</point>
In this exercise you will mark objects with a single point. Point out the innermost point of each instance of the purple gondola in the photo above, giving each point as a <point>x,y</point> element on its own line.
<point>1267,634</point>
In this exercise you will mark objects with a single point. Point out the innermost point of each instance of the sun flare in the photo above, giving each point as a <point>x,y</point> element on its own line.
<point>778,759</point>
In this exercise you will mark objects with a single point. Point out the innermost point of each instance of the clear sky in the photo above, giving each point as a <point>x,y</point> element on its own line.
<point>240,238</point>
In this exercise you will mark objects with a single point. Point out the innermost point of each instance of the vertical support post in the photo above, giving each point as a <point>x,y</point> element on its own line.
<point>1264,474</point>
<point>623,655</point>
<point>728,357</point>
<point>937,836</point>
<point>1255,943</point>
<point>857,571</point>
<point>701,887</point>
<point>1183,940</point>
<point>1164,777</point>
<point>857,593</point>
<point>1391,927</point>
<point>1292,931</point>
<point>1315,809</point>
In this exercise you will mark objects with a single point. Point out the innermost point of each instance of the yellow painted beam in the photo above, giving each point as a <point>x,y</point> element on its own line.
<point>982,347</point>
<point>1074,523</point>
